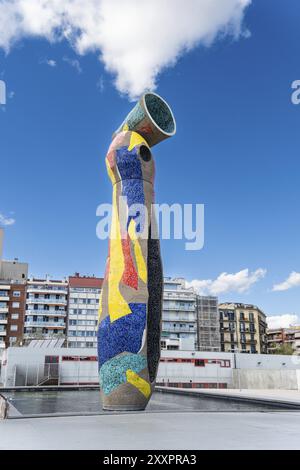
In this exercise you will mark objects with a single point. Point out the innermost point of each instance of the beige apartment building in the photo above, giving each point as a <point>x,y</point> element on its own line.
<point>280,336</point>
<point>242,328</point>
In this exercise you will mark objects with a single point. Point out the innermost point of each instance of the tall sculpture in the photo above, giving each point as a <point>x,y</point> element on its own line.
<point>131,300</point>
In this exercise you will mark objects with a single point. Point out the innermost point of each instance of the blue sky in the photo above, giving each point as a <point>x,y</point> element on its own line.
<point>236,151</point>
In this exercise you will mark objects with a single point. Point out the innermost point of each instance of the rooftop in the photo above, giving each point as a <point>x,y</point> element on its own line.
<point>85,281</point>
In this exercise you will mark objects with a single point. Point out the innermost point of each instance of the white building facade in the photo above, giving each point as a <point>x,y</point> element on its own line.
<point>83,306</point>
<point>179,314</point>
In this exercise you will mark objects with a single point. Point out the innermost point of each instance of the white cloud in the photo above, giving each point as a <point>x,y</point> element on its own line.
<point>225,282</point>
<point>100,84</point>
<point>5,221</point>
<point>51,63</point>
<point>292,281</point>
<point>73,63</point>
<point>135,39</point>
<point>282,321</point>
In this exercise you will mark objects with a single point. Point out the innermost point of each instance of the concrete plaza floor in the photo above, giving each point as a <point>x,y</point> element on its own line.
<point>174,420</point>
<point>175,431</point>
<point>288,397</point>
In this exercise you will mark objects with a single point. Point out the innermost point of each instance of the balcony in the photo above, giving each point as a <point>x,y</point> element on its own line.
<point>179,320</point>
<point>44,324</point>
<point>32,300</point>
<point>249,341</point>
<point>46,313</point>
<point>4,298</point>
<point>175,295</point>
<point>45,290</point>
<point>178,330</point>
<point>49,335</point>
<point>275,340</point>
<point>3,321</point>
<point>4,310</point>
<point>2,332</point>
<point>180,309</point>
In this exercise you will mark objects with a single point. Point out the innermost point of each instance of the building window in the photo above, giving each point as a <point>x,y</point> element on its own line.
<point>16,293</point>
<point>231,316</point>
<point>15,316</point>
<point>16,305</point>
<point>199,363</point>
<point>13,327</point>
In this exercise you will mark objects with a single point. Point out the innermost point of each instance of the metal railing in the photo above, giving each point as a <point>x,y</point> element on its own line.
<point>50,374</point>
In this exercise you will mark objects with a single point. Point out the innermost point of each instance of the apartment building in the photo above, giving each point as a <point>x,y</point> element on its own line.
<point>16,314</point>
<point>242,328</point>
<point>4,303</point>
<point>83,306</point>
<point>13,277</point>
<point>46,309</point>
<point>278,337</point>
<point>208,325</point>
<point>179,314</point>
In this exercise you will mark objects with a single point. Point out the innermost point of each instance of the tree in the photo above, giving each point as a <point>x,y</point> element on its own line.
<point>286,349</point>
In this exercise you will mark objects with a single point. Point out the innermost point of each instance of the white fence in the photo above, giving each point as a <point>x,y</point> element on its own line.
<point>30,375</point>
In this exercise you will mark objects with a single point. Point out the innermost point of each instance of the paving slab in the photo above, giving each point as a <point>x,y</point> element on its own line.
<point>175,431</point>
<point>274,396</point>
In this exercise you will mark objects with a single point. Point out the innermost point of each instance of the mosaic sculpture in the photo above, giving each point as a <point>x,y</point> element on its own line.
<point>131,300</point>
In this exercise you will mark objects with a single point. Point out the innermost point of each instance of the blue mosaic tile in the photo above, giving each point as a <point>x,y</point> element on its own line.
<point>123,335</point>
<point>128,163</point>
<point>135,117</point>
<point>113,372</point>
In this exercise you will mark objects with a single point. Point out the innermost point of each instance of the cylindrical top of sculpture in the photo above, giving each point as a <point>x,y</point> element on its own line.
<point>152,118</point>
<point>131,299</point>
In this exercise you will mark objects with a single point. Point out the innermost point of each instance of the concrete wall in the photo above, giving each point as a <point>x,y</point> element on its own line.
<point>266,379</point>
<point>14,271</point>
<point>267,361</point>
<point>26,366</point>
<point>3,408</point>
<point>298,379</point>
<point>239,371</point>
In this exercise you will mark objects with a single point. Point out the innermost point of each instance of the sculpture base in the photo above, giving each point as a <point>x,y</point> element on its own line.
<point>124,408</point>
